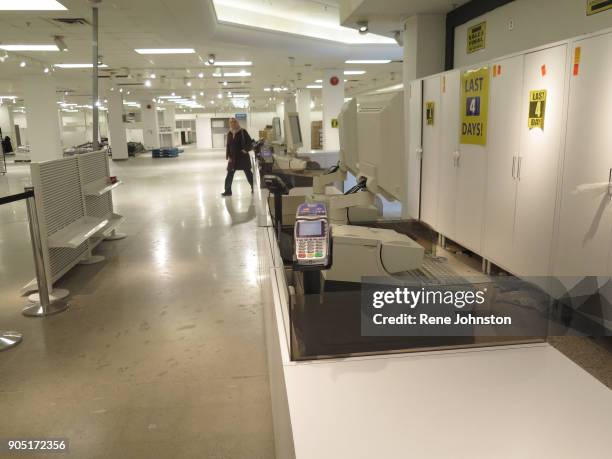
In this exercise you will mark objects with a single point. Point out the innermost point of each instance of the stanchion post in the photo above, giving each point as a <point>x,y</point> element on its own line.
<point>44,307</point>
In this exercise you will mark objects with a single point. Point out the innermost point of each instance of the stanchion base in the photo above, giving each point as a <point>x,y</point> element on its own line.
<point>114,236</point>
<point>9,339</point>
<point>56,295</point>
<point>36,310</point>
<point>92,260</point>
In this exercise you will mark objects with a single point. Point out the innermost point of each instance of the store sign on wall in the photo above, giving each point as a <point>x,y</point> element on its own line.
<point>537,109</point>
<point>429,113</point>
<point>476,37</point>
<point>597,6</point>
<point>474,106</point>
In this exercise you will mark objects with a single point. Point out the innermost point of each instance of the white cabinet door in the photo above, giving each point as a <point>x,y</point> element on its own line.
<point>505,104</point>
<point>448,149</point>
<point>431,138</point>
<point>470,193</point>
<point>539,161</point>
<point>585,218</point>
<point>413,144</point>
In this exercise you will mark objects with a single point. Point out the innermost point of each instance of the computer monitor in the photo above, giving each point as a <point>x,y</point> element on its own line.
<point>293,132</point>
<point>276,124</point>
<point>349,141</point>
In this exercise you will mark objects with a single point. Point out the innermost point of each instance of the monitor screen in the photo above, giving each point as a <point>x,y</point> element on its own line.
<point>307,228</point>
<point>296,132</point>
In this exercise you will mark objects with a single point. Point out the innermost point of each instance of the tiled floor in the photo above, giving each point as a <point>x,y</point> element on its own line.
<point>161,354</point>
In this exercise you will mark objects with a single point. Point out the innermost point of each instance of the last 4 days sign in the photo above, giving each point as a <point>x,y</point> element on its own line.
<point>537,108</point>
<point>474,106</point>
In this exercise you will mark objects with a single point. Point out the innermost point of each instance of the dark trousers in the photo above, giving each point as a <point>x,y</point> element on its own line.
<point>229,178</point>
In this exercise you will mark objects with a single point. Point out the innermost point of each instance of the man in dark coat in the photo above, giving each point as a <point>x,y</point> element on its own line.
<point>238,145</point>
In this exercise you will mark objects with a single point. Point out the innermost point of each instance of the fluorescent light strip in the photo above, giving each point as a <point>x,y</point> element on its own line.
<point>233,63</point>
<point>165,50</point>
<point>169,97</point>
<point>368,61</point>
<point>314,86</point>
<point>29,47</point>
<point>31,5</point>
<point>78,66</point>
<point>354,72</point>
<point>232,74</point>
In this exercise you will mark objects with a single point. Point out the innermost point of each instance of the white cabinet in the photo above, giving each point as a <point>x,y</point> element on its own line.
<point>502,155</point>
<point>447,153</point>
<point>431,139</point>
<point>585,218</point>
<point>414,102</point>
<point>538,164</point>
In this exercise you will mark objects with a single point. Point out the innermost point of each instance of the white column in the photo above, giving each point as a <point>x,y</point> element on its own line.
<point>280,112</point>
<point>7,124</point>
<point>116,129</point>
<point>43,118</point>
<point>333,99</point>
<point>303,107</point>
<point>424,46</point>
<point>170,120</point>
<point>150,127</point>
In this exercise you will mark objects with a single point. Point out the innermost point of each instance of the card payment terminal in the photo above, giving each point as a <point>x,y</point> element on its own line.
<point>312,234</point>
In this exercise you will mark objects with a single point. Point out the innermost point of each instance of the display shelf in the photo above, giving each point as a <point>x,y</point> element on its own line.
<point>111,223</point>
<point>73,235</point>
<point>100,187</point>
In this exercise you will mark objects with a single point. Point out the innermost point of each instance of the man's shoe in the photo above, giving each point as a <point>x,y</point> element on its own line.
<point>226,193</point>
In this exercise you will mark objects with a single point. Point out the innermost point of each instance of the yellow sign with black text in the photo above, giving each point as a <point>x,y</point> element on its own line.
<point>476,37</point>
<point>537,109</point>
<point>474,106</point>
<point>597,6</point>
<point>429,112</point>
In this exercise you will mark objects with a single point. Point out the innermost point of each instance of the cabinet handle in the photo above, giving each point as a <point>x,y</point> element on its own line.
<point>518,171</point>
<point>513,166</point>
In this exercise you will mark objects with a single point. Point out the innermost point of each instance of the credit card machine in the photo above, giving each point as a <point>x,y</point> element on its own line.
<point>312,234</point>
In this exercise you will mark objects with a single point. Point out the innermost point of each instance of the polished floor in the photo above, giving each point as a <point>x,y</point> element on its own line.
<point>161,354</point>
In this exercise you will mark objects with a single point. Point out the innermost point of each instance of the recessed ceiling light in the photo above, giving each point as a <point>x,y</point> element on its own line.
<point>29,47</point>
<point>225,83</point>
<point>78,66</point>
<point>31,5</point>
<point>368,61</point>
<point>354,72</point>
<point>153,76</point>
<point>202,93</point>
<point>165,50</point>
<point>147,83</point>
<point>200,75</point>
<point>22,64</point>
<point>46,70</point>
<point>189,83</point>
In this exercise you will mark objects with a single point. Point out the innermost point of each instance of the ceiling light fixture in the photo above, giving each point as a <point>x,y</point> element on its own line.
<point>233,63</point>
<point>31,5</point>
<point>153,76</point>
<point>202,93</point>
<point>29,47</point>
<point>46,70</point>
<point>200,75</point>
<point>242,73</point>
<point>314,86</point>
<point>147,83</point>
<point>363,27</point>
<point>189,84</point>
<point>354,72</point>
<point>78,66</point>
<point>165,50</point>
<point>368,61</point>
<point>22,64</point>
<point>211,59</point>
<point>225,83</point>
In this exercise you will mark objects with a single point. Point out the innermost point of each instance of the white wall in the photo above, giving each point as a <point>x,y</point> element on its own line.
<point>134,134</point>
<point>535,23</point>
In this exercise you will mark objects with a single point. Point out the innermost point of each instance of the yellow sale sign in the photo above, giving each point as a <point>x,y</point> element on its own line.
<point>474,106</point>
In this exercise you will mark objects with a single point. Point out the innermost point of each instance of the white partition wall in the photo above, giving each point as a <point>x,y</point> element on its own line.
<point>431,139</point>
<point>538,165</point>
<point>448,163</point>
<point>414,144</point>
<point>585,217</point>
<point>502,155</point>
